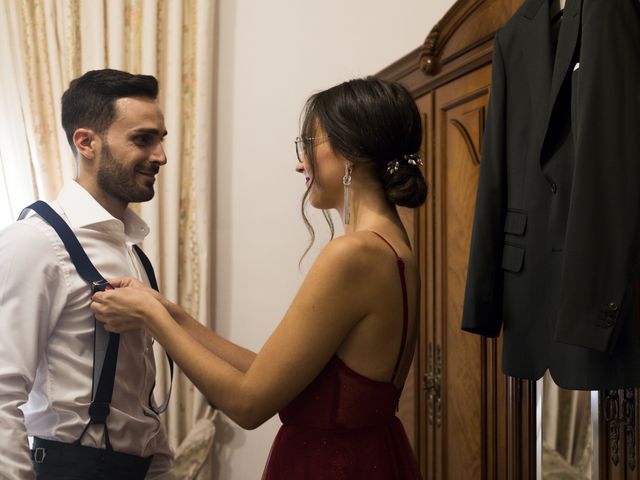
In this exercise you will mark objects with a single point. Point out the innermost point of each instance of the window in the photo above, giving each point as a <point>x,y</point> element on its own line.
<point>17,186</point>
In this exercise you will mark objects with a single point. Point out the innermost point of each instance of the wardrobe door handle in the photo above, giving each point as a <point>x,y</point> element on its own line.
<point>432,385</point>
<point>437,386</point>
<point>428,384</point>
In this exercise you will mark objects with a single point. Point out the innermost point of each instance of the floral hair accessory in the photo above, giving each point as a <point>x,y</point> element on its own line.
<point>411,159</point>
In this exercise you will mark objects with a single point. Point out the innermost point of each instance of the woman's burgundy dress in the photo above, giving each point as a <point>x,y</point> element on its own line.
<point>343,426</point>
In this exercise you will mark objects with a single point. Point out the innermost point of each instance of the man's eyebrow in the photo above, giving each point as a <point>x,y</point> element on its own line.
<point>152,131</point>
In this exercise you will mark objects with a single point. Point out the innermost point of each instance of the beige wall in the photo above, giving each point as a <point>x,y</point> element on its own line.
<point>271,57</point>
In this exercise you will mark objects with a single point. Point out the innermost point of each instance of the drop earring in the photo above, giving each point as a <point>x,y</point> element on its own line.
<point>346,182</point>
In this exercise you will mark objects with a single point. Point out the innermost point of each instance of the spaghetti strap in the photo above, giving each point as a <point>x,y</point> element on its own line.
<point>387,242</point>
<point>405,306</point>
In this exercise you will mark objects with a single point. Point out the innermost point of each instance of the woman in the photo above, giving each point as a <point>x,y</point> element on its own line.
<point>335,365</point>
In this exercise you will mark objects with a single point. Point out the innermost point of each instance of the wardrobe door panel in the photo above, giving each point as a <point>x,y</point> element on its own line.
<point>471,420</point>
<point>428,391</point>
<point>466,364</point>
<point>408,404</point>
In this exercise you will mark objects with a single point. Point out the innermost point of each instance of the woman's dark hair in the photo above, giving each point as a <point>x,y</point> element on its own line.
<point>89,100</point>
<point>370,122</point>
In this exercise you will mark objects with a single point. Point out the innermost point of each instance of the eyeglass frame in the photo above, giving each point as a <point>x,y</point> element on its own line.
<point>301,141</point>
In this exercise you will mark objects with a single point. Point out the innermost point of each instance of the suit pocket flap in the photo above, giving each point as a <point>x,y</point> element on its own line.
<point>515,222</point>
<point>512,258</point>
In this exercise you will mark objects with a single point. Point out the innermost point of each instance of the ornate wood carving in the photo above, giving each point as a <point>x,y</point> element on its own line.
<point>620,414</point>
<point>428,52</point>
<point>612,413</point>
<point>471,125</point>
<point>442,31</point>
<point>629,419</point>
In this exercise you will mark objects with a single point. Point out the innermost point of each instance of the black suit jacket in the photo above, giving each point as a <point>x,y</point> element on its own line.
<point>556,232</point>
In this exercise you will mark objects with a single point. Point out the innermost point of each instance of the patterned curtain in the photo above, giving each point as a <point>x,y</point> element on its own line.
<point>46,43</point>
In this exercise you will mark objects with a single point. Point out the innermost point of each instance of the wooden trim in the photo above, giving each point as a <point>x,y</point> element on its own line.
<point>429,60</point>
<point>401,67</point>
<point>458,45</point>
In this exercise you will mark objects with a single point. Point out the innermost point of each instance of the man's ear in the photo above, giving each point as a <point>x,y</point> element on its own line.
<point>86,142</point>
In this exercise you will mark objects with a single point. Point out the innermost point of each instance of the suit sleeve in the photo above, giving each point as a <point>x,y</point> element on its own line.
<point>603,229</point>
<point>32,295</point>
<point>482,312</point>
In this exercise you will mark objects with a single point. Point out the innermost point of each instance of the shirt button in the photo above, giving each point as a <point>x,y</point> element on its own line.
<point>554,188</point>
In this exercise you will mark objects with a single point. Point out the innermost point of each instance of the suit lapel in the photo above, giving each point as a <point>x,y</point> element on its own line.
<point>538,55</point>
<point>567,42</point>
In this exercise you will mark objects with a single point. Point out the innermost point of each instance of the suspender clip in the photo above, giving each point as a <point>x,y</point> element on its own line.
<point>99,411</point>
<point>100,286</point>
<point>39,454</point>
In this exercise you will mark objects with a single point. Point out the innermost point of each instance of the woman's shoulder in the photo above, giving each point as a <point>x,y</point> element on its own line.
<point>359,251</point>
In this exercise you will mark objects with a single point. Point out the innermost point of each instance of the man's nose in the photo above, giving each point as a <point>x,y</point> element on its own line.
<point>158,156</point>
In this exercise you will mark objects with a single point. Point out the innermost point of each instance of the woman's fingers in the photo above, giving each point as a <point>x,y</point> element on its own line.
<point>122,282</point>
<point>121,310</point>
<point>98,297</point>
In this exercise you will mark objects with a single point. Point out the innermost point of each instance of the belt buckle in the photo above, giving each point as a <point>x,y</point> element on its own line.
<point>39,454</point>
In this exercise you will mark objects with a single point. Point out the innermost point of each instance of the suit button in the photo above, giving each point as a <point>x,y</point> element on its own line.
<point>554,188</point>
<point>613,307</point>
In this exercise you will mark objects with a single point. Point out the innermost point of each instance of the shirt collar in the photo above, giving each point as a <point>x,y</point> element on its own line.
<point>82,210</point>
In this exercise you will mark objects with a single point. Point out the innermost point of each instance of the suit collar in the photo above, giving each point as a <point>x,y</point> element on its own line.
<point>538,53</point>
<point>566,46</point>
<point>532,8</point>
<point>567,43</point>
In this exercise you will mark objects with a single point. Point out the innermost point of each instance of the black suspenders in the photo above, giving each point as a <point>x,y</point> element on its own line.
<point>146,263</point>
<point>105,351</point>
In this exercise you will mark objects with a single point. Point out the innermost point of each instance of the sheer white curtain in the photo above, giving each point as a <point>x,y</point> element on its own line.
<point>45,44</point>
<point>34,157</point>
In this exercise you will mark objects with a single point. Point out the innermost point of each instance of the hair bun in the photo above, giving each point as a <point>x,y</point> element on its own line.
<point>405,186</point>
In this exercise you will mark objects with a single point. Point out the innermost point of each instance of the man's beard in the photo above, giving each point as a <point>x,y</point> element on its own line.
<point>119,182</point>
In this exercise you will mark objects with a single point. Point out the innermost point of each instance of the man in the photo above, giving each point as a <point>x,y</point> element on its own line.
<point>115,128</point>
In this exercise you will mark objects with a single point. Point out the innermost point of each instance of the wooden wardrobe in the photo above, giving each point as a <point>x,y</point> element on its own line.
<point>465,419</point>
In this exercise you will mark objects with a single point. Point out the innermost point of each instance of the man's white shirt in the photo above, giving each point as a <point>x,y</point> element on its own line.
<point>46,339</point>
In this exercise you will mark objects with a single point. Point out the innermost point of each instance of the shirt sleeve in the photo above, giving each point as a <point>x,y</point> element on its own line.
<point>33,293</point>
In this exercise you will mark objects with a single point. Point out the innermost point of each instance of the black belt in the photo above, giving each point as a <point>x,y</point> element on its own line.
<point>57,460</point>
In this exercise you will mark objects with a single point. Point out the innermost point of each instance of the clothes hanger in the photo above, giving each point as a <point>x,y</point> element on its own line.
<point>555,11</point>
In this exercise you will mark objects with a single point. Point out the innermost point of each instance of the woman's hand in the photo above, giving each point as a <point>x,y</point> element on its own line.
<point>129,282</point>
<point>130,307</point>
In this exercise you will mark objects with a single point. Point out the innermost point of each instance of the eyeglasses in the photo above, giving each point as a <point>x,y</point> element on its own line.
<point>303,143</point>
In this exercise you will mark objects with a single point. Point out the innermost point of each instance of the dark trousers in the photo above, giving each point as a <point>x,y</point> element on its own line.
<point>69,461</point>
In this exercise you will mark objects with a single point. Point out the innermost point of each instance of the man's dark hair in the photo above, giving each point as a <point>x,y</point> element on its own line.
<point>89,102</point>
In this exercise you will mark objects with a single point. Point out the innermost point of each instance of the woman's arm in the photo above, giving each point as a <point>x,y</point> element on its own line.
<point>239,357</point>
<point>330,302</point>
